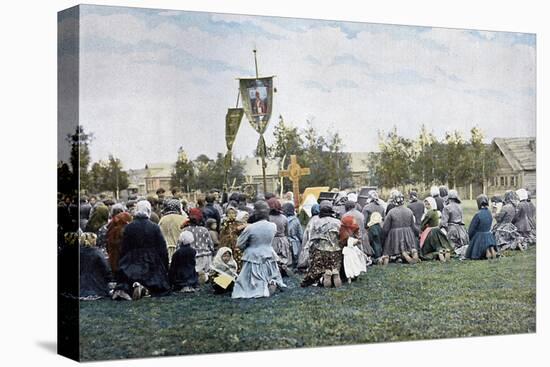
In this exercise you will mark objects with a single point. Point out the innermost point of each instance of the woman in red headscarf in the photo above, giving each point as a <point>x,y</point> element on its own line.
<point>202,244</point>
<point>355,260</point>
<point>115,228</point>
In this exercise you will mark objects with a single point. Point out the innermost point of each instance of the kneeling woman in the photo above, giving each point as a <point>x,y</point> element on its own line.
<point>433,242</point>
<point>400,233</point>
<point>260,274</point>
<point>482,241</point>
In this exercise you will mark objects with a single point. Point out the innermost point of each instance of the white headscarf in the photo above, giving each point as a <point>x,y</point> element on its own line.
<point>352,197</point>
<point>434,191</point>
<point>143,209</point>
<point>186,238</point>
<point>432,202</point>
<point>229,268</point>
<point>522,194</point>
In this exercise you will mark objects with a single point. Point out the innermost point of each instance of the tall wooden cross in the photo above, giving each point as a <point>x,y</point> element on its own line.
<point>294,171</point>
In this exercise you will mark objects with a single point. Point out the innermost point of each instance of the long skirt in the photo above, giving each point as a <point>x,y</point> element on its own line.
<point>281,245</point>
<point>254,279</point>
<point>321,261</point>
<point>481,242</point>
<point>435,242</point>
<point>507,237</point>
<point>458,237</point>
<point>399,240</point>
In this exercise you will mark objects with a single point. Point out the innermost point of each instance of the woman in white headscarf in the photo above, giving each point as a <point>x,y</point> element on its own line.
<point>524,224</point>
<point>223,271</point>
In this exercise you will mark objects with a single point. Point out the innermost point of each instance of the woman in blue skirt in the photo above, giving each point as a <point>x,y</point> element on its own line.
<point>482,241</point>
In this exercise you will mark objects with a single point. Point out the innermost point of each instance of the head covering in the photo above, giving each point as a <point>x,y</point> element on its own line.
<point>186,238</point>
<point>434,191</point>
<point>117,209</point>
<point>375,218</point>
<point>433,204</point>
<point>443,191</point>
<point>71,238</point>
<point>522,194</point>
<point>352,197</point>
<point>143,209</point>
<point>398,198</point>
<point>373,195</point>
<point>88,239</point>
<point>453,195</point>
<point>348,228</point>
<point>510,197</point>
<point>288,209</point>
<point>349,205</point>
<point>115,227</point>
<point>210,221</point>
<point>315,209</point>
<point>482,201</point>
<point>261,210</point>
<point>242,216</point>
<point>99,217</point>
<point>229,268</point>
<point>413,196</point>
<point>325,208</point>
<point>195,216</point>
<point>274,206</point>
<point>172,206</point>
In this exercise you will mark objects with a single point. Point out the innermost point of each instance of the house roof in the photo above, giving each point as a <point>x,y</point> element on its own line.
<point>159,169</point>
<point>359,161</point>
<point>519,152</point>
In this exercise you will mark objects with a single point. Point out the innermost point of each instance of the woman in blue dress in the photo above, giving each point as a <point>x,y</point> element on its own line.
<point>482,241</point>
<point>260,275</point>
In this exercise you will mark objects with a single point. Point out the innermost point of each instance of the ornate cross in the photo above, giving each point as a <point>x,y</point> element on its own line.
<point>294,171</point>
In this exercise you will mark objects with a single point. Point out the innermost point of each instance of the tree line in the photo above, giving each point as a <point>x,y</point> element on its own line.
<point>455,160</point>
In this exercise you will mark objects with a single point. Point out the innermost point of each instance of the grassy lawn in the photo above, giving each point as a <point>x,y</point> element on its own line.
<point>400,302</point>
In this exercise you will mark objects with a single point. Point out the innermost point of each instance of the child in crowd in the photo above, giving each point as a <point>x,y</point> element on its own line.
<point>223,271</point>
<point>213,230</point>
<point>182,274</point>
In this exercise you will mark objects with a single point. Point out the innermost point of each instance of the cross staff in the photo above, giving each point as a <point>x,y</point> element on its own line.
<point>294,171</point>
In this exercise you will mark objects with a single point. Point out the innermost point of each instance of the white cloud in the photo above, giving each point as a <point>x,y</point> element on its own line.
<point>166,83</point>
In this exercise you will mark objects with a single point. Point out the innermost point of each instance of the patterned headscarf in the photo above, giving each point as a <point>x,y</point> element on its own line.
<point>398,198</point>
<point>510,197</point>
<point>172,206</point>
<point>88,239</point>
<point>71,238</point>
<point>373,196</point>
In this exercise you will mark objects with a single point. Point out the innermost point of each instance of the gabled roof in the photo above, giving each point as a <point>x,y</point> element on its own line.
<point>359,161</point>
<point>519,152</point>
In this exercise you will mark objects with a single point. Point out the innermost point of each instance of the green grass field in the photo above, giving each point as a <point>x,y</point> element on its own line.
<point>393,303</point>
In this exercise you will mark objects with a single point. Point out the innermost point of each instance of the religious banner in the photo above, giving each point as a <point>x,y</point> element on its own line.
<point>232,122</point>
<point>257,99</point>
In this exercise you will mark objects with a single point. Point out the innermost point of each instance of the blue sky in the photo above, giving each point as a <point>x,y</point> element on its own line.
<point>154,80</point>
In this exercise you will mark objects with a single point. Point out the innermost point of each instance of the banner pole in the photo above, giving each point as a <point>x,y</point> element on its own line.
<point>262,153</point>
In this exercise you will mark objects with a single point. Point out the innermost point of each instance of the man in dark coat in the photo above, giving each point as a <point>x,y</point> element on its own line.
<point>210,211</point>
<point>143,264</point>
